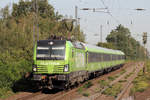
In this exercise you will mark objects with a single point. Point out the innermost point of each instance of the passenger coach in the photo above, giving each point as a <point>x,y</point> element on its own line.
<point>101,60</point>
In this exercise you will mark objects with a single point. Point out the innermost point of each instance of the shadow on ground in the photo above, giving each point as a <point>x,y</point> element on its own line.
<point>28,85</point>
<point>25,85</point>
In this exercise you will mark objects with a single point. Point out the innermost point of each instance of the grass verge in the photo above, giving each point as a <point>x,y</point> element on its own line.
<point>142,81</point>
<point>84,87</point>
<point>86,94</point>
<point>113,90</point>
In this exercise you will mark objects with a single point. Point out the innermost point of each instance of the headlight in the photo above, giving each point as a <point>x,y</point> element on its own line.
<point>66,68</point>
<point>34,68</point>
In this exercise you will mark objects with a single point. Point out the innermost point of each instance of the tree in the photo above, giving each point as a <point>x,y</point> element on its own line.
<point>4,12</point>
<point>16,36</point>
<point>106,45</point>
<point>40,7</point>
<point>122,39</point>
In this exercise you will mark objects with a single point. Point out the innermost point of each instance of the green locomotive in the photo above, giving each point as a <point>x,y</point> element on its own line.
<point>62,63</point>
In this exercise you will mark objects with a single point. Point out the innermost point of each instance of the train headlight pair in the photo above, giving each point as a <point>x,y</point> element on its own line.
<point>34,68</point>
<point>66,68</point>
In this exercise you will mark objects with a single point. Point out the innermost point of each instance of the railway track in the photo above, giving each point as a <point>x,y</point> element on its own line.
<point>126,86</point>
<point>67,95</point>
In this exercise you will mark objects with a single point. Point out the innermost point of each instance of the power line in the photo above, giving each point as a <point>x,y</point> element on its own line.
<point>114,18</point>
<point>109,13</point>
<point>104,4</point>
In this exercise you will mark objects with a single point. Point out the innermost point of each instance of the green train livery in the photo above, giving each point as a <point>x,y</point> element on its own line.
<point>62,63</point>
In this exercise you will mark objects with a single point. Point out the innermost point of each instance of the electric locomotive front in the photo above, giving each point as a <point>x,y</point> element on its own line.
<point>50,63</point>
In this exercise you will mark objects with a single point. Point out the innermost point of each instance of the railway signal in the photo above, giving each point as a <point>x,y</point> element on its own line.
<point>144,38</point>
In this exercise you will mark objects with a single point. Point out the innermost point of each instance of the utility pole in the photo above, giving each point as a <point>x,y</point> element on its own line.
<point>103,10</point>
<point>144,42</point>
<point>101,32</point>
<point>76,15</point>
<point>35,22</point>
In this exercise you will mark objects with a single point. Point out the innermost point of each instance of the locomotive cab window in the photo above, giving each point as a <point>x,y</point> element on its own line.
<point>51,50</point>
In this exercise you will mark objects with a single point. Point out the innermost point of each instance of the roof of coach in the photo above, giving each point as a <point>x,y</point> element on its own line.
<point>92,48</point>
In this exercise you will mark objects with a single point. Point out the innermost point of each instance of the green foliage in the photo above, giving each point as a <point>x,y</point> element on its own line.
<point>10,73</point>
<point>103,83</point>
<point>80,90</point>
<point>121,39</point>
<point>141,82</point>
<point>4,12</point>
<point>5,92</point>
<point>24,8</point>
<point>128,75</point>
<point>113,90</point>
<point>84,87</point>
<point>111,78</point>
<point>122,71</point>
<point>87,85</point>
<point>107,45</point>
<point>86,94</point>
<point>140,87</point>
<point>17,39</point>
<point>122,81</point>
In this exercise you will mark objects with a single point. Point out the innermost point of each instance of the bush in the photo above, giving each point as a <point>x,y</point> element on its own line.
<point>111,78</point>
<point>86,94</point>
<point>12,72</point>
<point>87,85</point>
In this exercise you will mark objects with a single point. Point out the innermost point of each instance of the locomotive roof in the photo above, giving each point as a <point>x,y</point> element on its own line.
<point>93,48</point>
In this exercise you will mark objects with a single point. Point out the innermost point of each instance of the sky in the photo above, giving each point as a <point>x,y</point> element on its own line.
<point>122,11</point>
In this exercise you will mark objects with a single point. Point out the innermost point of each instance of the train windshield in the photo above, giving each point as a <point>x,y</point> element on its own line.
<point>51,50</point>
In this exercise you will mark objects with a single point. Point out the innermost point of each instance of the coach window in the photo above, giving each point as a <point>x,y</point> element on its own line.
<point>113,57</point>
<point>99,56</point>
<point>72,53</point>
<point>117,57</point>
<point>104,57</point>
<point>90,57</point>
<point>107,57</point>
<point>86,57</point>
